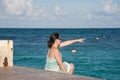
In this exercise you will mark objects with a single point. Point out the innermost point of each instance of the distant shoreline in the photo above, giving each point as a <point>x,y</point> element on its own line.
<point>61,28</point>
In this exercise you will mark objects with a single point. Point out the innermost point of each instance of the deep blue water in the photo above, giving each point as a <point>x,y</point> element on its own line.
<point>95,58</point>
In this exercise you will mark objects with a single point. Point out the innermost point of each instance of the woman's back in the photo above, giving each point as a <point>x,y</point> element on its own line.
<point>51,63</point>
<point>51,53</point>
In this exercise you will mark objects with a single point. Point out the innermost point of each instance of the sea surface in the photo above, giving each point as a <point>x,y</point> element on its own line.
<point>98,56</point>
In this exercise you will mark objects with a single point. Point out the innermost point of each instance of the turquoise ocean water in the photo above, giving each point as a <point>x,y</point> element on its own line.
<point>98,56</point>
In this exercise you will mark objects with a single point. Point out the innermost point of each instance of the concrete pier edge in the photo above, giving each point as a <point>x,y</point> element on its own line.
<point>23,73</point>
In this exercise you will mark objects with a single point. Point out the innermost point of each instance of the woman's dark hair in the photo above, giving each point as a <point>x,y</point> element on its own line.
<point>52,39</point>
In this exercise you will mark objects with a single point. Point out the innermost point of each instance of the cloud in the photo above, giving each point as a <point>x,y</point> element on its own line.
<point>109,7</point>
<point>59,12</point>
<point>3,16</point>
<point>87,17</point>
<point>27,8</point>
<point>24,8</point>
<point>16,7</point>
<point>107,11</point>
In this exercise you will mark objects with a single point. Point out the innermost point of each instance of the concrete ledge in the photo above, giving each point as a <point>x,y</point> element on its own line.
<point>22,73</point>
<point>6,53</point>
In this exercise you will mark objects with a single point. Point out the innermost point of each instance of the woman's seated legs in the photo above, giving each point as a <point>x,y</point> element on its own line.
<point>71,68</point>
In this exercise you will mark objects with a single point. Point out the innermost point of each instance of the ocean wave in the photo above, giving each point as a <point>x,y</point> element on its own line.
<point>27,58</point>
<point>7,37</point>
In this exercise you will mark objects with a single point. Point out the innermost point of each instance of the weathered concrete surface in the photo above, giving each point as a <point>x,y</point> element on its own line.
<point>6,53</point>
<point>21,73</point>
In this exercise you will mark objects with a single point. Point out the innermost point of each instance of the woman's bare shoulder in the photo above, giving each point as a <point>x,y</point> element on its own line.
<point>53,51</point>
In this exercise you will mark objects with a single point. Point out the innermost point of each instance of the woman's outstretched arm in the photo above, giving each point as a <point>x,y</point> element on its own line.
<point>66,43</point>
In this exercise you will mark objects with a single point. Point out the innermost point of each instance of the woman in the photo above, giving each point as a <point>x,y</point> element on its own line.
<point>54,57</point>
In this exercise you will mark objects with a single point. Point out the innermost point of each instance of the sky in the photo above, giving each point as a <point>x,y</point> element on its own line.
<point>59,13</point>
